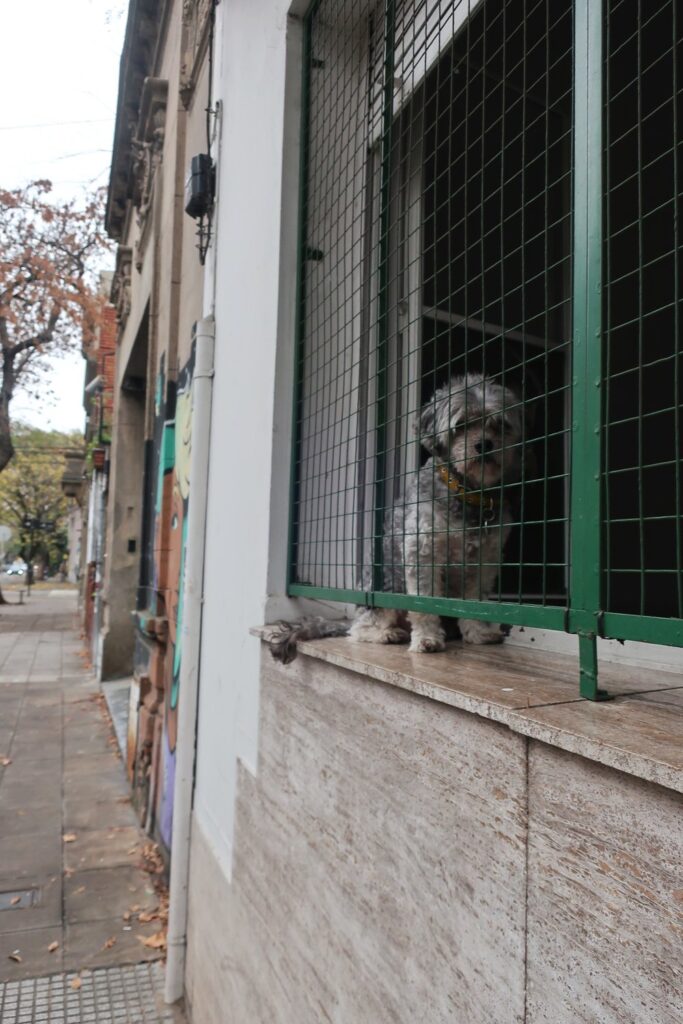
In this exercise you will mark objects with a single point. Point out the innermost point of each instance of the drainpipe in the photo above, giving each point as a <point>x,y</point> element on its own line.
<point>192,597</point>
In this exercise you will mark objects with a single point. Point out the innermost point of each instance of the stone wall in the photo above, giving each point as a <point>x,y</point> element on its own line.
<point>399,860</point>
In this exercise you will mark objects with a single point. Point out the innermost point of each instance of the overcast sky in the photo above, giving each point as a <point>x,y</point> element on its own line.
<point>58,88</point>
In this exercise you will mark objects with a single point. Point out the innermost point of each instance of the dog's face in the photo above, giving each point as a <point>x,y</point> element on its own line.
<point>475,426</point>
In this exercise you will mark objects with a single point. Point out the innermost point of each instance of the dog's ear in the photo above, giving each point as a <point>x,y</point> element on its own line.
<point>425,427</point>
<point>433,426</point>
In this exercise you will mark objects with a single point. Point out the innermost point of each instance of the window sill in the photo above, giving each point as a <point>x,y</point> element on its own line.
<point>535,693</point>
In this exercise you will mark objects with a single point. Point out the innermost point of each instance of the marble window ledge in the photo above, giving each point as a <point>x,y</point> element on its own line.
<point>535,693</point>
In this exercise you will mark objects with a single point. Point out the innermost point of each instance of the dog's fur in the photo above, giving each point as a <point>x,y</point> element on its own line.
<point>436,543</point>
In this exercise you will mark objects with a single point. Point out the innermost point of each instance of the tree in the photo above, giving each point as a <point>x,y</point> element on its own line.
<point>49,254</point>
<point>31,496</point>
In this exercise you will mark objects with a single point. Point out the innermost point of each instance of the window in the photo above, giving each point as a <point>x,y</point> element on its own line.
<point>490,192</point>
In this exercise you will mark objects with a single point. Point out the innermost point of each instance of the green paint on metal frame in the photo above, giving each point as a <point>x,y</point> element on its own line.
<point>584,616</point>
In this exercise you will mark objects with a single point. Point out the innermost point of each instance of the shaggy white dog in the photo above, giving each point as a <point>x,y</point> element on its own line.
<point>445,535</point>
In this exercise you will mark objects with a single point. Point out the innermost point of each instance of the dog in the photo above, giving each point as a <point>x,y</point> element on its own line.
<point>445,535</point>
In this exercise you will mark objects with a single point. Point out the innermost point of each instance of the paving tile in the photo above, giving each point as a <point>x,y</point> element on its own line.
<point>42,700</point>
<point>11,701</point>
<point>106,893</point>
<point>85,745</point>
<point>24,855</point>
<point>103,848</point>
<point>46,908</point>
<point>104,814</point>
<point>27,732</point>
<point>30,753</point>
<point>34,820</point>
<point>86,943</point>
<point>92,766</point>
<point>24,790</point>
<point>32,947</point>
<point>85,786</point>
<point>107,995</point>
<point>42,715</point>
<point>78,724</point>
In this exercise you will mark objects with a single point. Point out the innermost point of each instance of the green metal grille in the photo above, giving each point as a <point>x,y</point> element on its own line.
<point>460,214</point>
<point>643,544</point>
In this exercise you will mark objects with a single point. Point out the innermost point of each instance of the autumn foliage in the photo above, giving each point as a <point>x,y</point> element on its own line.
<point>49,254</point>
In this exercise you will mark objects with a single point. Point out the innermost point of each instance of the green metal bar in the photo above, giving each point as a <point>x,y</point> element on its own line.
<point>588,668</point>
<point>490,611</point>
<point>646,628</point>
<point>585,578</point>
<point>383,298</point>
<point>292,541</point>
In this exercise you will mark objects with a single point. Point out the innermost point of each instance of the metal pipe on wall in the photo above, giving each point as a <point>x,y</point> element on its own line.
<point>202,384</point>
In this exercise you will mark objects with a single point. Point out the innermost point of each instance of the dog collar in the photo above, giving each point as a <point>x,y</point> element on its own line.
<point>455,484</point>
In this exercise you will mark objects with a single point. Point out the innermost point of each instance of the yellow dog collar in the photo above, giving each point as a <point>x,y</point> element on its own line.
<point>453,483</point>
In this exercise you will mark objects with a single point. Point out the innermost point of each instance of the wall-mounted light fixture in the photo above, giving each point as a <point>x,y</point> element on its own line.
<point>200,187</point>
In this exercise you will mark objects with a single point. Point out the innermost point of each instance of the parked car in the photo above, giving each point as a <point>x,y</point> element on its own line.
<point>16,569</point>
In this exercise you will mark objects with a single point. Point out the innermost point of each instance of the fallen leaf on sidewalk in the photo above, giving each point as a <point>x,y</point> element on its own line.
<point>4,761</point>
<point>15,900</point>
<point>70,837</point>
<point>15,956</point>
<point>52,947</point>
<point>127,916</point>
<point>110,943</point>
<point>76,983</point>
<point>78,891</point>
<point>156,941</point>
<point>148,915</point>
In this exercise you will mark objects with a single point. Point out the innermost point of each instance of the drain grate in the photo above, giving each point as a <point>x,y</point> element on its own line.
<point>19,899</point>
<point>108,995</point>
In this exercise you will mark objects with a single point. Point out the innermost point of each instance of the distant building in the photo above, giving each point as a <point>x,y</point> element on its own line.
<point>157,294</point>
<point>98,400</point>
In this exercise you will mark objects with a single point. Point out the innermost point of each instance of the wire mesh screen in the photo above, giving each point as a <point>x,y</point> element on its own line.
<point>642,313</point>
<point>433,403</point>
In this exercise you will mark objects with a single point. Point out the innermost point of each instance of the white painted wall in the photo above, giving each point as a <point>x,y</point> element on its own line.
<point>250,429</point>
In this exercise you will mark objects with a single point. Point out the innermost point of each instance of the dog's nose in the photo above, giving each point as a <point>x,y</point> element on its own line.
<point>485,445</point>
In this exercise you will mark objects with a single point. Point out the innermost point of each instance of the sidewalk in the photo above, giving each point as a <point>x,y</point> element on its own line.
<point>72,885</point>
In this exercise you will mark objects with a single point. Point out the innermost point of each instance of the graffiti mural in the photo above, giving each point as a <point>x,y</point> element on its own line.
<point>177,545</point>
<point>160,603</point>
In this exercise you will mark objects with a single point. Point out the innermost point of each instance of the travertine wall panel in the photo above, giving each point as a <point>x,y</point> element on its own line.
<point>605,895</point>
<point>379,869</point>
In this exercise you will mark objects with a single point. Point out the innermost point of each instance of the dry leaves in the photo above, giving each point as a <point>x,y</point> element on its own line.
<point>15,900</point>
<point>78,891</point>
<point>156,941</point>
<point>148,915</point>
<point>110,943</point>
<point>53,947</point>
<point>76,983</point>
<point>4,761</point>
<point>15,956</point>
<point>152,861</point>
<point>70,837</point>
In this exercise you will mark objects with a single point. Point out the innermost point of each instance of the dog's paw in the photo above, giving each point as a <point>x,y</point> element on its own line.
<point>427,645</point>
<point>373,635</point>
<point>396,635</point>
<point>476,632</point>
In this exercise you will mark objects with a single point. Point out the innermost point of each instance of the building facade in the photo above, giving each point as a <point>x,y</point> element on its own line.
<point>405,194</point>
<point>157,295</point>
<point>98,400</point>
